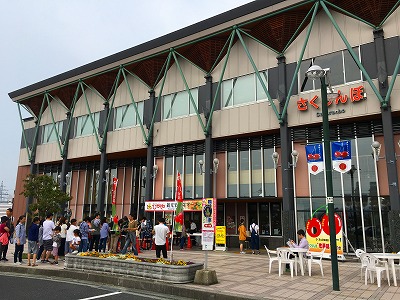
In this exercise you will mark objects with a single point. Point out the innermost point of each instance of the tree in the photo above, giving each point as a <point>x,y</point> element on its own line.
<point>46,193</point>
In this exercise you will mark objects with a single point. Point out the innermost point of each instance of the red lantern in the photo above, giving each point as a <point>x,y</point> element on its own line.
<point>314,227</point>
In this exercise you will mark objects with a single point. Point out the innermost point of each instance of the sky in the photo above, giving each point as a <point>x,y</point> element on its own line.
<point>43,38</point>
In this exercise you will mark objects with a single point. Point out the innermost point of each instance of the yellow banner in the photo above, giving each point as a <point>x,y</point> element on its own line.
<point>220,235</point>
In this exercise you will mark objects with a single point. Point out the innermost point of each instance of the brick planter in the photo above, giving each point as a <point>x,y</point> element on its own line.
<point>171,273</point>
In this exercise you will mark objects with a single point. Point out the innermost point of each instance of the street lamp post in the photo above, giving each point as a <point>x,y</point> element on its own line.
<point>316,72</point>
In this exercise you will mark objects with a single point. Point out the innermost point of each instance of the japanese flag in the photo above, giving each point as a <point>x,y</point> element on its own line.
<point>341,156</point>
<point>315,167</point>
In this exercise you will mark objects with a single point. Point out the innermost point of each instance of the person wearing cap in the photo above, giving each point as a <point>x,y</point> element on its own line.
<point>10,226</point>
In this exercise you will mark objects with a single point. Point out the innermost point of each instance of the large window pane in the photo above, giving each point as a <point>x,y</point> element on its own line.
<point>256,173</point>
<point>50,133</point>
<point>244,174</point>
<point>195,96</point>
<point>334,61</point>
<point>169,178</point>
<point>167,100</point>
<point>84,125</point>
<point>276,219</point>
<point>199,180</point>
<point>264,219</point>
<point>244,89</point>
<point>303,212</point>
<point>232,174</point>
<point>352,72</point>
<point>180,105</point>
<point>261,95</point>
<point>227,93</point>
<point>269,173</point>
<point>188,177</point>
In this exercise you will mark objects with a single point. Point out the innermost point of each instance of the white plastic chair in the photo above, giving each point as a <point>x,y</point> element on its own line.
<point>283,259</point>
<point>312,259</point>
<point>374,265</point>
<point>271,259</point>
<point>363,265</point>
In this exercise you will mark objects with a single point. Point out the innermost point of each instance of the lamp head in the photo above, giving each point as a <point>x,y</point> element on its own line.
<point>315,72</point>
<point>376,145</point>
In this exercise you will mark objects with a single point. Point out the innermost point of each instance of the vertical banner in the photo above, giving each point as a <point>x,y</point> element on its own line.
<point>315,158</point>
<point>209,214</point>
<point>341,156</point>
<point>318,236</point>
<point>114,203</point>
<point>179,207</point>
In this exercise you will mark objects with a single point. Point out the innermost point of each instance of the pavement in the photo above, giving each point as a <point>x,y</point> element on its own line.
<point>240,276</point>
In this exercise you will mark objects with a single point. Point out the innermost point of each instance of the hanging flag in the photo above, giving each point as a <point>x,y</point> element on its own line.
<point>341,156</point>
<point>315,158</point>
<point>114,203</point>
<point>179,206</point>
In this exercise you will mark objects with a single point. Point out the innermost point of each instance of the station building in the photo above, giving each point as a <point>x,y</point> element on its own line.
<point>229,92</point>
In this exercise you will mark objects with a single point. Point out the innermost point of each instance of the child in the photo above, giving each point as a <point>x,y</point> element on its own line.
<point>76,240</point>
<point>33,240</point>
<point>56,243</point>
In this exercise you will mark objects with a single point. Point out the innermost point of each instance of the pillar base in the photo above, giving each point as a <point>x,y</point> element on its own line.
<point>205,277</point>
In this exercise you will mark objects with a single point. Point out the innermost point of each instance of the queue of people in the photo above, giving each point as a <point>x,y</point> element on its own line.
<point>47,239</point>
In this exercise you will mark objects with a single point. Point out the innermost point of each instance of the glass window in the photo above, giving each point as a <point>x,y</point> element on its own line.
<point>125,116</point>
<point>303,80</point>
<point>352,72</point>
<point>188,177</point>
<point>269,173</point>
<point>84,125</point>
<point>232,174</point>
<point>179,104</point>
<point>199,179</point>
<point>256,173</point>
<point>169,178</point>
<point>243,89</point>
<point>261,95</point>
<point>227,93</point>
<point>276,219</point>
<point>334,62</point>
<point>303,212</point>
<point>244,175</point>
<point>264,219</point>
<point>50,132</point>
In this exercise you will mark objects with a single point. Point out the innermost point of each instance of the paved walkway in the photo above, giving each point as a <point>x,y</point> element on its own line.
<point>247,276</point>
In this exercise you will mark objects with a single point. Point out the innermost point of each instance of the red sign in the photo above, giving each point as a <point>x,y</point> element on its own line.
<point>356,95</point>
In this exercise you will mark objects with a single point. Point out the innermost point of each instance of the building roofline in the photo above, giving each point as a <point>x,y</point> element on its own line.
<point>152,44</point>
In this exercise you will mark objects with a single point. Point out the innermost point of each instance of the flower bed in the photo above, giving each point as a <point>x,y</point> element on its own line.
<point>175,271</point>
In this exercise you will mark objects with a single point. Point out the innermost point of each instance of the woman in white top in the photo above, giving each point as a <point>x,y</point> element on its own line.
<point>70,235</point>
<point>63,234</point>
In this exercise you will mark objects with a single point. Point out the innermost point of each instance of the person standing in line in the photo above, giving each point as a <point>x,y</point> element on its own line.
<point>95,232</point>
<point>33,240</point>
<point>84,229</point>
<point>63,225</point>
<point>75,242</point>
<point>242,236</point>
<point>255,238</point>
<point>20,239</point>
<point>48,227</point>
<point>183,237</point>
<point>104,230</point>
<point>10,226</point>
<point>70,235</point>
<point>131,234</point>
<point>4,233</point>
<point>40,244</point>
<point>161,232</point>
<point>56,243</point>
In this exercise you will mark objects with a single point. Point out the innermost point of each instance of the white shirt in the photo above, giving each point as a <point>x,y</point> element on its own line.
<point>63,232</point>
<point>255,226</point>
<point>75,240</point>
<point>48,227</point>
<point>161,231</point>
<point>70,232</point>
<point>193,226</point>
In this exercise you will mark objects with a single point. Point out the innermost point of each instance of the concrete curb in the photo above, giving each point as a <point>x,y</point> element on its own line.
<point>131,282</point>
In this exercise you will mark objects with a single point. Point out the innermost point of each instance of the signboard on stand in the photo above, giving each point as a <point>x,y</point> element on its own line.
<point>209,220</point>
<point>207,239</point>
<point>318,235</point>
<point>220,238</point>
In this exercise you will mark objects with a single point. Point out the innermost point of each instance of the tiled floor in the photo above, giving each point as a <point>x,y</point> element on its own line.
<point>248,275</point>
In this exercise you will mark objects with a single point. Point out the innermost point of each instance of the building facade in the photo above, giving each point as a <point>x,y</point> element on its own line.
<point>232,87</point>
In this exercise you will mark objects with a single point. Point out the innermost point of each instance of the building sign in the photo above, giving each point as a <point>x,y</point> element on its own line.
<point>188,205</point>
<point>356,94</point>
<point>318,236</point>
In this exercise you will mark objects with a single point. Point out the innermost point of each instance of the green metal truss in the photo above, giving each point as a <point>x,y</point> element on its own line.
<point>53,122</point>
